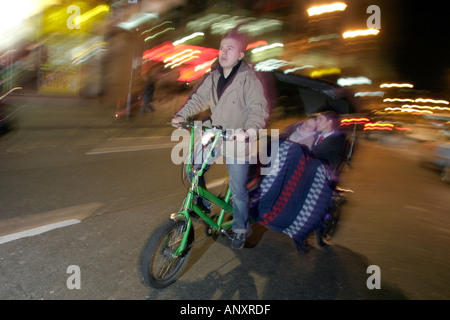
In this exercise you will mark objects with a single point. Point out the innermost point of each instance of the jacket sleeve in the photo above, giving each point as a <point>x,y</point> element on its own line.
<point>256,102</point>
<point>199,101</point>
<point>330,150</point>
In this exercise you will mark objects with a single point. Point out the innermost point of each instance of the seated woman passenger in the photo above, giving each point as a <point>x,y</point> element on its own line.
<point>303,133</point>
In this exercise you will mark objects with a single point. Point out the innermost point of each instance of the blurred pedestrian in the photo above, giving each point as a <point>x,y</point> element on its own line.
<point>150,78</point>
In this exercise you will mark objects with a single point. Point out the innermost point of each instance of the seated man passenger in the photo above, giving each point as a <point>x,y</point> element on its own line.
<point>329,145</point>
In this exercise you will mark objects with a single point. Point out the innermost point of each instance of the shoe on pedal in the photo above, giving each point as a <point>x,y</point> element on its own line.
<point>238,240</point>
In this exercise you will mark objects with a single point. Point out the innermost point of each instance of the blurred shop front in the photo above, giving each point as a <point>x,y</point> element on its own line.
<point>56,49</point>
<point>71,50</point>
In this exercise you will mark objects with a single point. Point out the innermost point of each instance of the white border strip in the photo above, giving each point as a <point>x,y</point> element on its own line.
<point>38,230</point>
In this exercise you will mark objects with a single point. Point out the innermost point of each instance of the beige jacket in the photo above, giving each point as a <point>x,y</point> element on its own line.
<point>242,105</point>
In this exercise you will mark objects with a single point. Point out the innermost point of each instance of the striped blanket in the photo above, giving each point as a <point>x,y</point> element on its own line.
<point>293,199</point>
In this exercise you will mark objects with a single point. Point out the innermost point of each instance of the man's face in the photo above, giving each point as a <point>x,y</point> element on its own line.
<point>229,53</point>
<point>323,123</point>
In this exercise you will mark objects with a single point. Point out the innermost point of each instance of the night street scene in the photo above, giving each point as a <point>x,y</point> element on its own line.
<point>117,124</point>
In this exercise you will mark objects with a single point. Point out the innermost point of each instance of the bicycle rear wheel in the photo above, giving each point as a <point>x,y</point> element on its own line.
<point>159,268</point>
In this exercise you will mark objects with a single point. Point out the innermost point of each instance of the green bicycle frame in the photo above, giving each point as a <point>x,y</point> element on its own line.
<point>189,204</point>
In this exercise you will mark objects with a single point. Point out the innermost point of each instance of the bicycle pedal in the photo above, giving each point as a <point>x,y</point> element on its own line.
<point>227,234</point>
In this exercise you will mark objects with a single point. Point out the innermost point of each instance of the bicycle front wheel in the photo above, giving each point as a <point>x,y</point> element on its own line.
<point>159,267</point>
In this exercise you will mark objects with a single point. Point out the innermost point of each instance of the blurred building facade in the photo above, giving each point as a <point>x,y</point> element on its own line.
<point>100,49</point>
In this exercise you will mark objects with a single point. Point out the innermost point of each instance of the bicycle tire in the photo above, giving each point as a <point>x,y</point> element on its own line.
<point>159,268</point>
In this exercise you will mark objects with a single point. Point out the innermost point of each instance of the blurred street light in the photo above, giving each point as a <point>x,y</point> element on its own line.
<point>317,10</point>
<point>359,33</point>
<point>396,85</point>
<point>136,20</point>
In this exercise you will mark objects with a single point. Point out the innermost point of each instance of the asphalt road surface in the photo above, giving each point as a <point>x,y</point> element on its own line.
<point>106,187</point>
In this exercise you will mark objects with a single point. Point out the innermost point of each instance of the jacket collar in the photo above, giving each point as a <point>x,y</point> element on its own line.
<point>233,70</point>
<point>216,74</point>
<point>243,67</point>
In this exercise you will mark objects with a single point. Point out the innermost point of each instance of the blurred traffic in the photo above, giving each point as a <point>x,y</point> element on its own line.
<point>337,54</point>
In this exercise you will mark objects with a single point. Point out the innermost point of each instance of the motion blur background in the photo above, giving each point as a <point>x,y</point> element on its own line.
<point>81,47</point>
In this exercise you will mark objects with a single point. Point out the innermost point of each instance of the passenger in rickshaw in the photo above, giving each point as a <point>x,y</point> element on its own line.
<point>304,132</point>
<point>296,195</point>
<point>329,145</point>
<point>321,134</point>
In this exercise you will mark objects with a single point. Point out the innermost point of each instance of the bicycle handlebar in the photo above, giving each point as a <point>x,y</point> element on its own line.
<point>190,124</point>
<point>180,124</point>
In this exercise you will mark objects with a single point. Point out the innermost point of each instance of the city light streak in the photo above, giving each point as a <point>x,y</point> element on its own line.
<point>318,10</point>
<point>431,101</point>
<point>370,94</point>
<point>353,81</point>
<point>183,40</point>
<point>396,85</point>
<point>359,33</point>
<point>269,46</point>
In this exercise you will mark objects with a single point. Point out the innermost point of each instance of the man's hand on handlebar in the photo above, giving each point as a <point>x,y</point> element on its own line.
<point>239,135</point>
<point>176,120</point>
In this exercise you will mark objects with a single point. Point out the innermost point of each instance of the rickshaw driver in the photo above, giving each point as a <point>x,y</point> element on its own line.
<point>235,95</point>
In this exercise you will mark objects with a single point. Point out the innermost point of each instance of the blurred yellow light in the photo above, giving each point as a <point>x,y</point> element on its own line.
<point>397,100</point>
<point>103,8</point>
<point>354,121</point>
<point>396,85</point>
<point>358,33</point>
<point>393,109</point>
<point>426,107</point>
<point>338,6</point>
<point>323,72</point>
<point>431,100</point>
<point>419,100</point>
<point>378,124</point>
<point>377,128</point>
<point>404,109</point>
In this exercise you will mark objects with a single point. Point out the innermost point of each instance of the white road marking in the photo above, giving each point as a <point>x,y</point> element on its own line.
<point>129,149</point>
<point>135,144</point>
<point>38,230</point>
